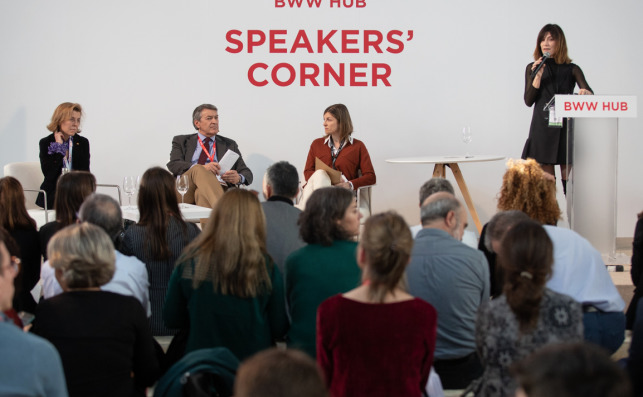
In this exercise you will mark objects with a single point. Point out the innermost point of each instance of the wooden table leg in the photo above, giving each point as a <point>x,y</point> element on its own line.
<point>439,171</point>
<point>465,193</point>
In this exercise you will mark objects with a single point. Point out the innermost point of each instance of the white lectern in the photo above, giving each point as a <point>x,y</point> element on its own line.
<point>592,164</point>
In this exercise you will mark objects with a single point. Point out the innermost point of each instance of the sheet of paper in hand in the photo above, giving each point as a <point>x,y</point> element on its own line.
<point>335,175</point>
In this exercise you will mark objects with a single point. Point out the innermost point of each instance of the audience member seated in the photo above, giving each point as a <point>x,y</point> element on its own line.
<point>71,190</point>
<point>326,265</point>
<point>636,272</point>
<point>377,340</point>
<point>62,149</point>
<point>579,272</point>
<point>14,250</point>
<point>103,338</point>
<point>454,278</point>
<point>435,185</point>
<point>570,370</point>
<point>158,238</point>
<point>635,360</point>
<point>15,219</point>
<point>528,315</point>
<point>130,276</point>
<point>198,155</point>
<point>280,187</point>
<point>339,151</point>
<point>225,288</point>
<point>30,365</point>
<point>493,232</point>
<point>279,373</point>
<point>527,188</point>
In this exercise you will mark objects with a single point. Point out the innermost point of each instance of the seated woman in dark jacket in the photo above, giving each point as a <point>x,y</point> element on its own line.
<point>102,337</point>
<point>62,149</point>
<point>71,190</point>
<point>16,220</point>
<point>158,238</point>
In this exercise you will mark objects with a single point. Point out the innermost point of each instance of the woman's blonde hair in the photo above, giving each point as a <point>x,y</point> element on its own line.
<point>85,255</point>
<point>231,251</point>
<point>387,243</point>
<point>525,188</point>
<point>64,112</point>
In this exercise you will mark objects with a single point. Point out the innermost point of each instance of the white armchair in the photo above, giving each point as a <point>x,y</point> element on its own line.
<point>30,176</point>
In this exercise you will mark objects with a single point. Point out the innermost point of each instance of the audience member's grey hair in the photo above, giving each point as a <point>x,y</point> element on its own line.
<point>84,254</point>
<point>435,185</point>
<point>283,178</point>
<point>438,209</point>
<point>500,223</point>
<point>103,211</point>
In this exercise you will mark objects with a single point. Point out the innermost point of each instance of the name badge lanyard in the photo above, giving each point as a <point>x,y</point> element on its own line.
<point>334,156</point>
<point>208,153</point>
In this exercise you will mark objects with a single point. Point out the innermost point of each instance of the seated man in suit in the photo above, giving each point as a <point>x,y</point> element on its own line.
<point>198,156</point>
<point>280,186</point>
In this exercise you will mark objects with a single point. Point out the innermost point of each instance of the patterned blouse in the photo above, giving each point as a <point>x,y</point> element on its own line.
<point>500,342</point>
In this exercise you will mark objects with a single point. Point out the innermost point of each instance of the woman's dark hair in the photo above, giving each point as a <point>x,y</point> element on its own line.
<point>387,243</point>
<point>526,257</point>
<point>570,370</point>
<point>157,204</point>
<point>318,224</point>
<point>71,190</point>
<point>344,123</point>
<point>560,55</point>
<point>13,212</point>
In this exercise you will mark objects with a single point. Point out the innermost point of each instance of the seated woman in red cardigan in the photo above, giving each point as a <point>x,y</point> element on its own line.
<point>339,151</point>
<point>377,340</point>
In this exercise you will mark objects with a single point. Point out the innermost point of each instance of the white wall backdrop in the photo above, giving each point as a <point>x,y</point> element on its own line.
<point>140,67</point>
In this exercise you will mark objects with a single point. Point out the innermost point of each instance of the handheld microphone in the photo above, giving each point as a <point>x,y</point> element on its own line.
<point>535,72</point>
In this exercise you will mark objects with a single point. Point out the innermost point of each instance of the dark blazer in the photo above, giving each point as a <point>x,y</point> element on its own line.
<point>52,164</point>
<point>183,147</point>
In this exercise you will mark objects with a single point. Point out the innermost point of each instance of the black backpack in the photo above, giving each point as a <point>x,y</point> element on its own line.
<point>201,373</point>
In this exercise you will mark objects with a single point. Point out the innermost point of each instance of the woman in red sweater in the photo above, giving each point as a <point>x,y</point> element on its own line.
<point>377,340</point>
<point>340,151</point>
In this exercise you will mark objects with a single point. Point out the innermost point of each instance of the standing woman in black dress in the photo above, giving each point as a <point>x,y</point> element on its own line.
<point>548,144</point>
<point>63,148</point>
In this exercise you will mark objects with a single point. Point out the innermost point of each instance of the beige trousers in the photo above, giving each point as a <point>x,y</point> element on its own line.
<point>205,189</point>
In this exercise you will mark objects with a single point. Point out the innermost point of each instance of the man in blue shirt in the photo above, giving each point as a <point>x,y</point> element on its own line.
<point>454,278</point>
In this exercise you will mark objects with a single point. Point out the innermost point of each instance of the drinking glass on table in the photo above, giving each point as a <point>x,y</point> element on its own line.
<point>182,186</point>
<point>466,138</point>
<point>129,187</point>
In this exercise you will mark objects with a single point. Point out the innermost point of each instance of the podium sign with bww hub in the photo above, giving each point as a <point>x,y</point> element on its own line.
<point>592,158</point>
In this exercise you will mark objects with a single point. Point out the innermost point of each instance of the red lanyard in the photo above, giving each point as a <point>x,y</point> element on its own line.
<point>205,150</point>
